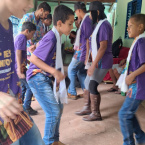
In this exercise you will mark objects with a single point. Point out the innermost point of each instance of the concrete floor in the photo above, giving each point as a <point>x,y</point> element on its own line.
<point>75,131</point>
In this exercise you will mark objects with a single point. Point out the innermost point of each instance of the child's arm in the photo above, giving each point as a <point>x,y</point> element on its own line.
<point>9,107</point>
<point>130,78</point>
<point>87,51</point>
<point>18,59</point>
<point>42,65</point>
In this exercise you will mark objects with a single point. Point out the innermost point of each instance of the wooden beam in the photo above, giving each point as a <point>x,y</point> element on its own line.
<point>58,2</point>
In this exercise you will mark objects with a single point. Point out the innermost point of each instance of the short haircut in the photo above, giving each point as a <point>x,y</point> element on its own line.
<point>28,25</point>
<point>139,18</point>
<point>45,7</point>
<point>49,16</point>
<point>62,13</point>
<point>81,6</point>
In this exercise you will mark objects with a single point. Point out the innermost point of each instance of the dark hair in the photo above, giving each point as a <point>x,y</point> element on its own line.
<point>76,18</point>
<point>96,17</point>
<point>80,5</point>
<point>62,13</point>
<point>139,18</point>
<point>49,16</point>
<point>28,25</point>
<point>45,7</point>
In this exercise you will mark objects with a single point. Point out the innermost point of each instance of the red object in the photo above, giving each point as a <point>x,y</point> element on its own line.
<point>122,55</point>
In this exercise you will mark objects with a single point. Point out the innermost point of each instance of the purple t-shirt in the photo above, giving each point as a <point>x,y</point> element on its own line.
<point>137,59</point>
<point>105,33</point>
<point>20,43</point>
<point>86,31</point>
<point>8,76</point>
<point>46,51</point>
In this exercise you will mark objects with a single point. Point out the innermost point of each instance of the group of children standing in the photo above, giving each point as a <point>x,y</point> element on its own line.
<point>93,40</point>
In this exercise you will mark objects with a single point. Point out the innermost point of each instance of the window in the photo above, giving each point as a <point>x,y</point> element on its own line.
<point>134,7</point>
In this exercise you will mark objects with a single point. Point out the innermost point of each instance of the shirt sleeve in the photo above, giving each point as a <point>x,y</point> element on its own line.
<point>87,29</point>
<point>21,44</point>
<point>104,32</point>
<point>44,48</point>
<point>141,51</point>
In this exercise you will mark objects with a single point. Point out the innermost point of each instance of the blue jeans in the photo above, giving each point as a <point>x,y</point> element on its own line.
<point>26,89</point>
<point>76,67</point>
<point>129,123</point>
<point>41,87</point>
<point>32,137</point>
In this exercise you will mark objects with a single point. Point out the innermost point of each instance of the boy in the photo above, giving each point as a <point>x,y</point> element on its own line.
<point>41,13</point>
<point>43,66</point>
<point>134,77</point>
<point>15,126</point>
<point>20,44</point>
<point>47,22</point>
<point>76,67</point>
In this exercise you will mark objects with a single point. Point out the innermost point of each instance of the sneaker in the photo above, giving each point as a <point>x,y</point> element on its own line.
<point>73,97</point>
<point>31,111</point>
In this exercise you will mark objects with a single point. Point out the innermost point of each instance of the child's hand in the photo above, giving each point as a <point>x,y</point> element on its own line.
<point>9,107</point>
<point>21,75</point>
<point>129,79</point>
<point>91,70</point>
<point>32,48</point>
<point>58,75</point>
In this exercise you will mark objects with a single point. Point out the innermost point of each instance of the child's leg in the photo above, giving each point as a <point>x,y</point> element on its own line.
<point>127,120</point>
<point>82,75</point>
<point>112,76</point>
<point>23,88</point>
<point>114,80</point>
<point>139,134</point>
<point>72,72</point>
<point>27,101</point>
<point>29,94</point>
<point>42,89</point>
<point>117,75</point>
<point>56,135</point>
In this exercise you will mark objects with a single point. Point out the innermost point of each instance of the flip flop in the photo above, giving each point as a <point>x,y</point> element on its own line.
<point>112,90</point>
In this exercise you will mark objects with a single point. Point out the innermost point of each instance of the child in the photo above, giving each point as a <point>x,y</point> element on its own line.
<point>115,72</point>
<point>43,66</point>
<point>46,23</point>
<point>133,82</point>
<point>35,17</point>
<point>16,127</point>
<point>101,47</point>
<point>77,66</point>
<point>20,44</point>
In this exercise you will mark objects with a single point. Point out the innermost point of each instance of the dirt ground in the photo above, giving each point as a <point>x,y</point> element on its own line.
<point>75,131</point>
